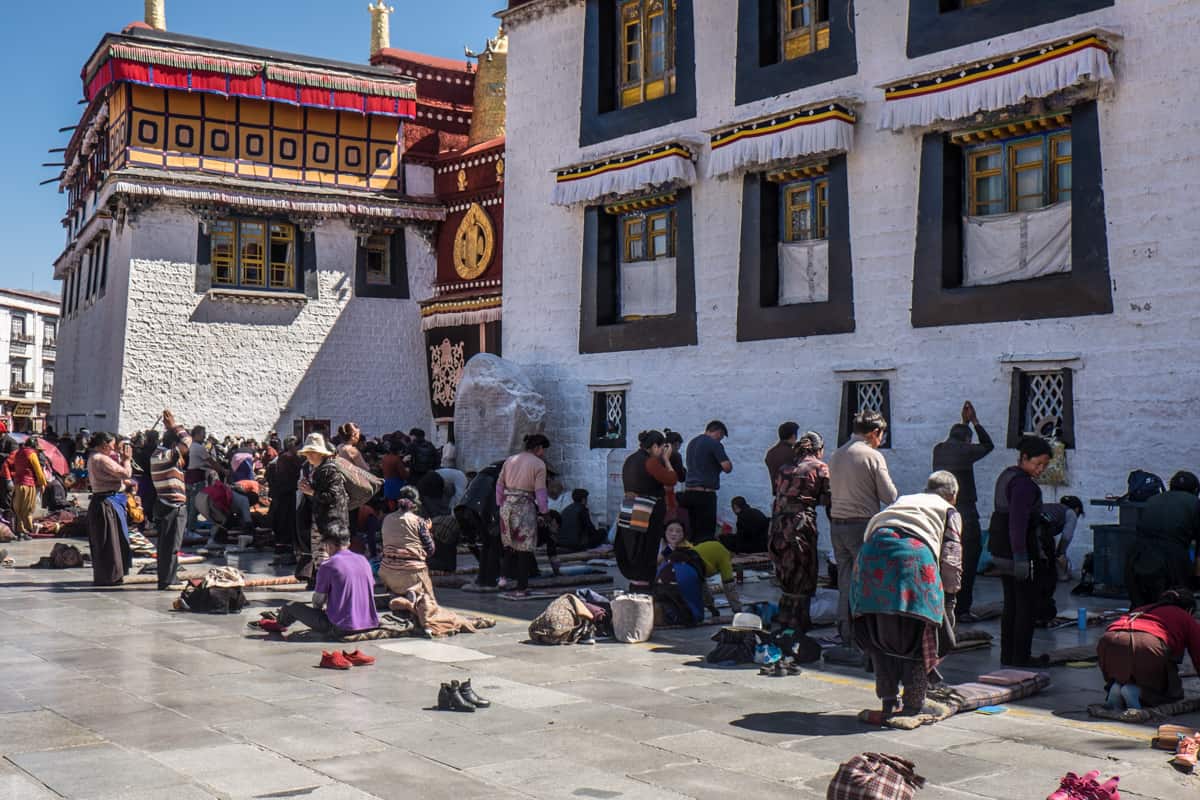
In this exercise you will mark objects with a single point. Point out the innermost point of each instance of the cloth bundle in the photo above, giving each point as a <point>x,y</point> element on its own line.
<point>566,620</point>
<point>875,776</point>
<point>633,617</point>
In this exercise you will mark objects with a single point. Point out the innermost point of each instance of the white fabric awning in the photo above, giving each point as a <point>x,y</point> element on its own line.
<point>665,166</point>
<point>826,128</point>
<point>997,83</point>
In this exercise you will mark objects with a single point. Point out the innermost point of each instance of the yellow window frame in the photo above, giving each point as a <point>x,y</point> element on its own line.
<point>667,218</point>
<point>248,263</point>
<point>1058,159</point>
<point>636,81</point>
<point>223,237</point>
<point>975,174</point>
<point>797,41</point>
<point>811,200</point>
<point>283,273</point>
<point>1015,169</point>
<point>629,223</point>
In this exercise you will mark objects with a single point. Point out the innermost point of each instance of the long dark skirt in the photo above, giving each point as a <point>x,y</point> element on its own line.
<point>283,518</point>
<point>111,557</point>
<point>637,552</point>
<point>1142,659</point>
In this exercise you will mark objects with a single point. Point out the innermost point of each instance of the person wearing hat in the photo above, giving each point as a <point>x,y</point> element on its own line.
<point>801,487</point>
<point>326,489</point>
<point>905,580</point>
<point>706,460</point>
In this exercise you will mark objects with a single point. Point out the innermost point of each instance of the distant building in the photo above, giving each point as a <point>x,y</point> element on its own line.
<point>29,324</point>
<point>248,239</point>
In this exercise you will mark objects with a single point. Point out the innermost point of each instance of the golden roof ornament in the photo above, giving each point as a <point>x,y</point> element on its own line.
<point>487,118</point>
<point>380,26</point>
<point>156,14</point>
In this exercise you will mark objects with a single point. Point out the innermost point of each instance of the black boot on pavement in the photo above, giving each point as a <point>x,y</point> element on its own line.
<point>469,695</point>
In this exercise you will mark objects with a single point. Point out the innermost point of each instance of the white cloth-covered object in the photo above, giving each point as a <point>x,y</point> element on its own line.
<point>632,617</point>
<point>495,407</point>
<point>831,135</point>
<point>1040,79</point>
<point>648,288</point>
<point>1011,247</point>
<point>803,272</point>
<point>656,169</point>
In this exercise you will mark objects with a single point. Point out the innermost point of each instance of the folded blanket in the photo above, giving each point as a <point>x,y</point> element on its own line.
<point>970,696</point>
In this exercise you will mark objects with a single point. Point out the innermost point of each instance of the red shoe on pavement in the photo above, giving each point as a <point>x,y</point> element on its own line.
<point>271,626</point>
<point>1108,789</point>
<point>1186,752</point>
<point>1073,786</point>
<point>358,658</point>
<point>334,660</point>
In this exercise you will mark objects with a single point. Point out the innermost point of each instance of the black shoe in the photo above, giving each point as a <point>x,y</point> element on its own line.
<point>449,699</point>
<point>469,695</point>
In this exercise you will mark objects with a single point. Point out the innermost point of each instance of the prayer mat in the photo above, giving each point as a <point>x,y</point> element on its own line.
<point>970,696</point>
<point>1068,655</point>
<point>1094,618</point>
<point>969,639</point>
<point>937,711</point>
<point>1148,715</point>
<point>549,581</point>
<point>382,632</point>
<point>585,555</point>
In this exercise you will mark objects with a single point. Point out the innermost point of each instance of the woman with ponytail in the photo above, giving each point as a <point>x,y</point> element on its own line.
<point>647,477</point>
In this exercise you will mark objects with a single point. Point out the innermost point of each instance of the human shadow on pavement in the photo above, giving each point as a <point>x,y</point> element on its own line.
<point>803,723</point>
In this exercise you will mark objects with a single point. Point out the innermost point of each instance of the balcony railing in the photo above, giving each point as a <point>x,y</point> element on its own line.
<point>48,391</point>
<point>22,338</point>
<point>21,387</point>
<point>50,343</point>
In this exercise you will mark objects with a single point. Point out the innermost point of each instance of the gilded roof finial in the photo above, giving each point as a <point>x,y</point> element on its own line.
<point>380,32</point>
<point>156,14</point>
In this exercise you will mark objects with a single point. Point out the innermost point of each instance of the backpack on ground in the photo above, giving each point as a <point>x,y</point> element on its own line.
<point>361,486</point>
<point>1142,485</point>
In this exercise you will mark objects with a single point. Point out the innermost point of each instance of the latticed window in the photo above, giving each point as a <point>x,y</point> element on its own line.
<point>253,254</point>
<point>648,235</point>
<point>1042,405</point>
<point>805,210</point>
<point>865,395</point>
<point>647,50</point>
<point>608,419</point>
<point>804,27</point>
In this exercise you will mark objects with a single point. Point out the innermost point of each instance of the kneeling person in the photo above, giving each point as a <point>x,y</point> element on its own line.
<point>343,601</point>
<point>1140,652</point>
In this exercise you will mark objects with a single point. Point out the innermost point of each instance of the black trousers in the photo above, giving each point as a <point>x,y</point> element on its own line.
<point>171,522</point>
<point>520,565</point>
<point>489,559</point>
<point>702,514</point>
<point>314,618</point>
<point>972,549</point>
<point>1016,621</point>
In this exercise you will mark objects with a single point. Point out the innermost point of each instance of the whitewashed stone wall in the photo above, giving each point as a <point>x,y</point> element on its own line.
<point>244,369</point>
<point>1137,389</point>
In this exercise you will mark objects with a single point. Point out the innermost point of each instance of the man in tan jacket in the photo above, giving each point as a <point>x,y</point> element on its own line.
<point>860,485</point>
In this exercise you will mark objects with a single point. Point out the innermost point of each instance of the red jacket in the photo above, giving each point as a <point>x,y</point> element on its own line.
<point>26,468</point>
<point>1172,624</point>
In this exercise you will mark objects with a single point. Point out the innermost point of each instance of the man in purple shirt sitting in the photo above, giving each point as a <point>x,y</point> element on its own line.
<point>343,600</point>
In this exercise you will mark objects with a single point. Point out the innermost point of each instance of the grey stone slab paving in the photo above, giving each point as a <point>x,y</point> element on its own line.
<point>96,772</point>
<point>16,784</point>
<point>742,756</point>
<point>398,774</point>
<point>706,782</point>
<point>240,769</point>
<point>155,730</point>
<point>299,739</point>
<point>26,731</point>
<point>544,778</point>
<point>612,753</point>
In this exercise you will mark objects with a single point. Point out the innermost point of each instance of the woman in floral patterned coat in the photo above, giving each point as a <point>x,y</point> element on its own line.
<point>801,487</point>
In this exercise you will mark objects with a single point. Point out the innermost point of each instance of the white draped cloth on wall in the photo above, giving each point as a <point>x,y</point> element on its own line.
<point>803,272</point>
<point>1011,247</point>
<point>648,288</point>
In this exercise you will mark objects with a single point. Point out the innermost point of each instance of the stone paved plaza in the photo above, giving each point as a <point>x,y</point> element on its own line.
<point>109,694</point>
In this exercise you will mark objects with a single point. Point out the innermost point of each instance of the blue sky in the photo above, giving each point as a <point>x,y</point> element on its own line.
<point>49,40</point>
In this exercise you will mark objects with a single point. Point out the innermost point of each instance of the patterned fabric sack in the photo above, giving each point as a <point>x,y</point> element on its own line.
<point>361,485</point>
<point>566,620</point>
<point>633,617</point>
<point>874,776</point>
<point>635,513</point>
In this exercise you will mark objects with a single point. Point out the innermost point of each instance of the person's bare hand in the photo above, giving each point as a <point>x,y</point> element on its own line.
<point>968,413</point>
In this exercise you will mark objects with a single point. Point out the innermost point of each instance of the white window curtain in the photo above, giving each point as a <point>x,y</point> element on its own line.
<point>803,272</point>
<point>1012,247</point>
<point>648,288</point>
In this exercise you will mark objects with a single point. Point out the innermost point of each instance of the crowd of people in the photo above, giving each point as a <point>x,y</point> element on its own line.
<point>343,511</point>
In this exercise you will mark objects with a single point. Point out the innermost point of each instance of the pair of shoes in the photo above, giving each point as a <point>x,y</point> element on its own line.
<point>272,626</point>
<point>455,696</point>
<point>1074,787</point>
<point>1186,752</point>
<point>772,670</point>
<point>341,659</point>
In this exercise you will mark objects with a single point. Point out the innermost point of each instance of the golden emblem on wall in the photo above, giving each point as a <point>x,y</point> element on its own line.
<point>474,243</point>
<point>462,180</point>
<point>500,171</point>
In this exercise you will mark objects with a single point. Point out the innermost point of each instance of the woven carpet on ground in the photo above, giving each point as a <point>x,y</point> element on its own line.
<point>1142,716</point>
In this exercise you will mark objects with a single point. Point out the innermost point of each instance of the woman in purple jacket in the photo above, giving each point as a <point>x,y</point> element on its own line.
<point>1012,541</point>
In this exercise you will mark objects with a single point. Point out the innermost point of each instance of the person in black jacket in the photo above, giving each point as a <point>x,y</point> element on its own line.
<point>479,522</point>
<point>578,532</point>
<point>752,529</point>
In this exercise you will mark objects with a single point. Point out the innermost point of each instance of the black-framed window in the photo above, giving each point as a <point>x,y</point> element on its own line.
<point>665,96</point>
<point>320,152</point>
<point>254,144</point>
<point>383,159</point>
<point>353,156</point>
<point>287,147</point>
<point>769,263</point>
<point>939,296</point>
<point>784,45</point>
<point>252,253</point>
<point>936,25</point>
<point>382,266</point>
<point>603,327</point>
<point>608,419</point>
<point>219,140</point>
<point>869,394</point>
<point>1042,404</point>
<point>1017,173</point>
<point>148,131</point>
<point>184,136</point>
